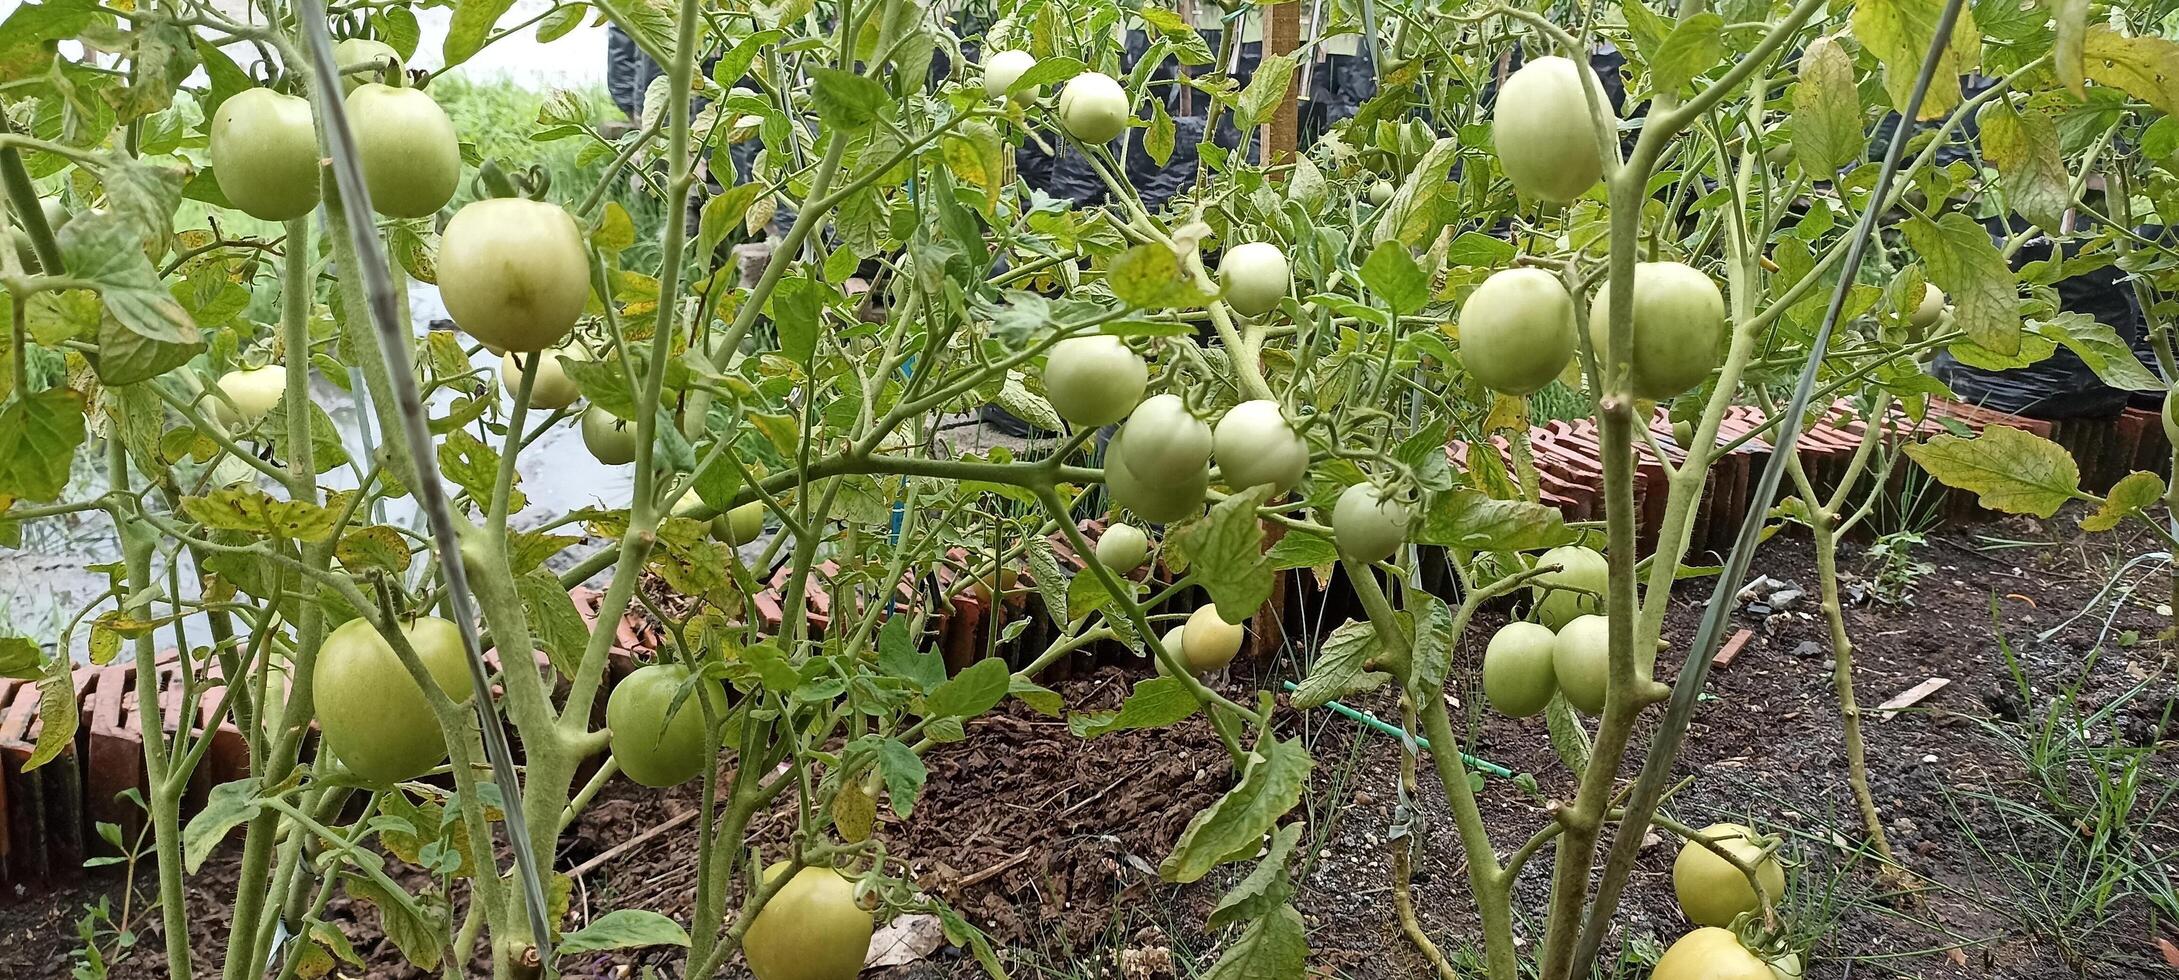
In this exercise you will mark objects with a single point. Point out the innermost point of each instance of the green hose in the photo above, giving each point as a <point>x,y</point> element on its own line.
<point>1484,766</point>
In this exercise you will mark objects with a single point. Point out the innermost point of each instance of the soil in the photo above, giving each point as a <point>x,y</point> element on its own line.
<point>1050,845</point>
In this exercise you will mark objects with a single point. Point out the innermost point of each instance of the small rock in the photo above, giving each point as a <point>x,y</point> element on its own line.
<point>1758,609</point>
<point>1785,598</point>
<point>1929,760</point>
<point>1807,648</point>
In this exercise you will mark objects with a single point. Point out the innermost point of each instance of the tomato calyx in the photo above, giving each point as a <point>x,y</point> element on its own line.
<point>493,180</point>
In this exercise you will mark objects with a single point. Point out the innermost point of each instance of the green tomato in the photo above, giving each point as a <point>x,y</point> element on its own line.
<point>1711,891</point>
<point>1208,642</point>
<point>1123,548</point>
<point>1926,313</point>
<point>1002,69</point>
<point>357,51</point>
<point>812,929</point>
<point>1543,133</point>
<point>740,525</point>
<point>1161,496</point>
<point>1579,568</point>
<point>654,744</point>
<point>1711,953</point>
<point>1095,380</point>
<point>1093,108</point>
<point>1679,325</point>
<point>514,273</point>
<point>1517,674</point>
<point>1380,193</point>
<point>371,713</point>
<point>412,161</point>
<point>251,394</point>
<point>610,440</point>
<point>264,150</point>
<point>1254,277</point>
<point>1581,660</point>
<point>1176,643</point>
<point>1255,446</point>
<point>1367,525</point>
<point>553,389</point>
<point>1517,330</point>
<point>1165,441</point>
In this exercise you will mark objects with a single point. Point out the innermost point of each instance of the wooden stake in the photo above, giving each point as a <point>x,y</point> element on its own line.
<point>1282,36</point>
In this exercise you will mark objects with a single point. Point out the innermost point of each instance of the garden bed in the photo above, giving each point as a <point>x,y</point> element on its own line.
<point>1050,844</point>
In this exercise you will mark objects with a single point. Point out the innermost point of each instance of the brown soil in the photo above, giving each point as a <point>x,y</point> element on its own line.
<point>1050,845</point>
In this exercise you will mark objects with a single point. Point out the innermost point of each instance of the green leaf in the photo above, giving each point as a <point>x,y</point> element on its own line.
<point>971,692</point>
<point>106,249</point>
<point>1648,29</point>
<point>1265,888</point>
<point>1693,47</point>
<point>252,511</point>
<point>1392,274</point>
<point>327,451</point>
<point>1899,32</point>
<point>1343,667</point>
<point>2025,150</point>
<point>845,99</point>
<point>27,37</point>
<point>58,714</point>
<point>416,929</point>
<point>2009,470</point>
<point>20,658</point>
<point>649,23</point>
<point>624,929</point>
<point>555,625</point>
<point>1474,248</point>
<point>467,29</point>
<point>2146,68</point>
<point>798,306</point>
<point>604,385</point>
<point>1225,552</point>
<point>1157,140</point>
<point>38,439</point>
<point>2139,491</point>
<point>1149,276</point>
<point>2097,344</point>
<point>2070,19</point>
<point>898,656</point>
<point>1826,120</point>
<point>1266,90</point>
<point>379,547</point>
<point>1155,703</point>
<point>854,813</point>
<point>1274,947</point>
<point>903,772</point>
<point>1302,549</point>
<point>1411,217</point>
<point>1472,521</point>
<point>227,806</point>
<point>735,63</point>
<point>1431,647</point>
<point>1048,71</point>
<point>474,467</point>
<point>1233,827</point>
<point>1964,263</point>
<point>1041,699</point>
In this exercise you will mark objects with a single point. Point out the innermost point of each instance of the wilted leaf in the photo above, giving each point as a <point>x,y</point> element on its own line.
<point>2010,470</point>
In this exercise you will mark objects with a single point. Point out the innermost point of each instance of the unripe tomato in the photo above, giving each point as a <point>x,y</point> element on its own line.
<point>1093,108</point>
<point>1581,660</point>
<point>812,929</point>
<point>1517,674</point>
<point>2171,416</point>
<point>1367,525</point>
<point>1711,891</point>
<point>655,747</point>
<point>1380,193</point>
<point>1711,953</point>
<point>1095,380</point>
<point>1929,310</point>
<point>1123,548</point>
<point>1541,127</point>
<point>610,440</point>
<point>1165,442</point>
<point>57,215</point>
<point>1004,68</point>
<point>1679,320</point>
<point>1176,643</point>
<point>357,51</point>
<point>1517,330</point>
<point>513,272</point>
<point>1209,642</point>
<point>741,525</point>
<point>1579,568</point>
<point>1163,498</point>
<point>411,159</point>
<point>692,506</point>
<point>371,713</point>
<point>553,389</point>
<point>254,392</point>
<point>264,151</point>
<point>1254,277</point>
<point>1254,446</point>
